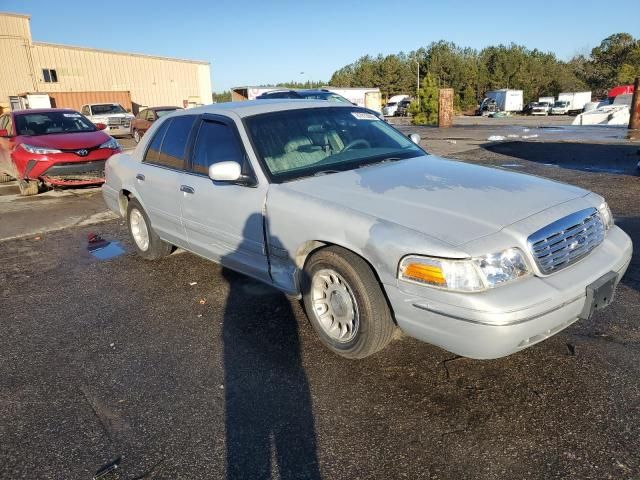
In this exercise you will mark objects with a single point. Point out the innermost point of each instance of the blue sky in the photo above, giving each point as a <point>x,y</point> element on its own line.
<point>258,42</point>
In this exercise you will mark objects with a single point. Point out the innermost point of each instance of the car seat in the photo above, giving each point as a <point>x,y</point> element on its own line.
<point>299,152</point>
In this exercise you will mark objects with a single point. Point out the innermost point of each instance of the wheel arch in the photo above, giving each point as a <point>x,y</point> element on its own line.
<point>310,247</point>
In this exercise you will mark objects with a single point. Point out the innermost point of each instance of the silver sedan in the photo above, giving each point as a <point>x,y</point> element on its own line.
<point>330,204</point>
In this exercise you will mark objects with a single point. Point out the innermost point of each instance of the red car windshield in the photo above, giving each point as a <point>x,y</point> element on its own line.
<point>46,123</point>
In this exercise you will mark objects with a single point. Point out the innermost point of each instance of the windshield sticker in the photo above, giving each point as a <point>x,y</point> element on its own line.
<point>71,115</point>
<point>364,116</point>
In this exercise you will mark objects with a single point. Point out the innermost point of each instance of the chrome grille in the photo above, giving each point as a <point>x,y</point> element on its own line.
<point>117,121</point>
<point>567,240</point>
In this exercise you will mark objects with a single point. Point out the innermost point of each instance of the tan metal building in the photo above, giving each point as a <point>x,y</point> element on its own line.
<point>36,67</point>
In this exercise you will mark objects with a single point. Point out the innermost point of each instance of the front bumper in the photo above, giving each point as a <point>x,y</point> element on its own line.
<point>500,325</point>
<point>118,130</point>
<point>65,169</point>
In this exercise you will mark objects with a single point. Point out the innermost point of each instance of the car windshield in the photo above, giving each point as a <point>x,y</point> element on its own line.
<point>300,143</point>
<point>33,124</point>
<point>107,108</point>
<point>560,104</point>
<point>391,104</point>
<point>162,113</point>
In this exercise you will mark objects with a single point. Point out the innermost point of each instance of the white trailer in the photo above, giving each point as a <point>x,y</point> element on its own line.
<point>576,100</point>
<point>503,100</point>
<point>549,100</point>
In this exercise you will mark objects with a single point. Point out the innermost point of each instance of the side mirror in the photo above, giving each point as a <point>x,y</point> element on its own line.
<point>225,172</point>
<point>415,138</point>
<point>100,126</point>
<point>4,133</point>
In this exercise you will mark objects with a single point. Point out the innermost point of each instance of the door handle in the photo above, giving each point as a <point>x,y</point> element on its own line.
<point>140,177</point>
<point>187,189</point>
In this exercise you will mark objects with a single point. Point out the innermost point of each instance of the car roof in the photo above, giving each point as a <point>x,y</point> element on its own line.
<point>249,108</point>
<point>42,110</point>
<point>316,90</point>
<point>166,107</point>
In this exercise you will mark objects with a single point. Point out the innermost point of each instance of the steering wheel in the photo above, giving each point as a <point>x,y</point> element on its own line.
<point>353,144</point>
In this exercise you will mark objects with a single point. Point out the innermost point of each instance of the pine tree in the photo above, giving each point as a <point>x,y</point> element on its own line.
<point>425,109</point>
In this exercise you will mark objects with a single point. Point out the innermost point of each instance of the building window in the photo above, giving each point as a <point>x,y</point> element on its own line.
<point>50,75</point>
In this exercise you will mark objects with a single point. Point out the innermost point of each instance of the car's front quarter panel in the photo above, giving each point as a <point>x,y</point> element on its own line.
<point>295,219</point>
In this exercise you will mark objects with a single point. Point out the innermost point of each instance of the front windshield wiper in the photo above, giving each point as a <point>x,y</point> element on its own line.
<point>382,160</point>
<point>325,172</point>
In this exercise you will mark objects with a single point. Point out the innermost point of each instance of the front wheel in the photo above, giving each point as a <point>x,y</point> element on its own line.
<point>147,242</point>
<point>136,136</point>
<point>345,304</point>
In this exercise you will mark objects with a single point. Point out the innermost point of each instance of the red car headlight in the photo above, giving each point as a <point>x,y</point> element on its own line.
<point>39,150</point>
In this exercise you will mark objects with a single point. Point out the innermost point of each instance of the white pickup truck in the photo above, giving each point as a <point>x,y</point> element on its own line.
<point>113,115</point>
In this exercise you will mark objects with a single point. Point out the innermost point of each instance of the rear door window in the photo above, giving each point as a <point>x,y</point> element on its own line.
<point>216,142</point>
<point>169,144</point>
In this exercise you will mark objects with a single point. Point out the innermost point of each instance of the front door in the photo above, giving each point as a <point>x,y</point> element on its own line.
<point>223,221</point>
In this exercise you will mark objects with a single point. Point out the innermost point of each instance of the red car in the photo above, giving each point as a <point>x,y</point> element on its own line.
<point>145,119</point>
<point>53,147</point>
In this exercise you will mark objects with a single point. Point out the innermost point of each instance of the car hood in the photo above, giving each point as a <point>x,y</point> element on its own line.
<point>67,141</point>
<point>453,201</point>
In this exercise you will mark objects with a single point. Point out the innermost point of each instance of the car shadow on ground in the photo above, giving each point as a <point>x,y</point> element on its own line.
<point>269,423</point>
<point>586,157</point>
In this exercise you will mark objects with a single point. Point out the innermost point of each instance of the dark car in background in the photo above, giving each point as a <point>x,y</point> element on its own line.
<point>145,118</point>
<point>403,108</point>
<point>53,147</point>
<point>311,94</point>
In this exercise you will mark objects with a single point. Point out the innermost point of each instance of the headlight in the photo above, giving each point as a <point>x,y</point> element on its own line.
<point>39,150</point>
<point>111,143</point>
<point>469,275</point>
<point>606,215</point>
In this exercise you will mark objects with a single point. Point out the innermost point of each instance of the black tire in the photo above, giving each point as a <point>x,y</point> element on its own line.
<point>28,187</point>
<point>376,325</point>
<point>5,178</point>
<point>157,248</point>
<point>136,136</point>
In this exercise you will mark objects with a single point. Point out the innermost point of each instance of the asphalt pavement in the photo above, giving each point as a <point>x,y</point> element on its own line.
<point>179,369</point>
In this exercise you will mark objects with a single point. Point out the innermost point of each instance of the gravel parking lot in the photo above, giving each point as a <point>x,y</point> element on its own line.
<point>181,369</point>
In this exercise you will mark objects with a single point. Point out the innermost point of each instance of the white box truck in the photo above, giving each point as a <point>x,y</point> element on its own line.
<point>503,100</point>
<point>575,101</point>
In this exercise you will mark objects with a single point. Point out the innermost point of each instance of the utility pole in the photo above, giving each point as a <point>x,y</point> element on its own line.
<point>634,109</point>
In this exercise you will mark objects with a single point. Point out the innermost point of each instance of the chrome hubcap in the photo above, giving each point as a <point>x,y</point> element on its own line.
<point>334,305</point>
<point>139,229</point>
<point>136,136</point>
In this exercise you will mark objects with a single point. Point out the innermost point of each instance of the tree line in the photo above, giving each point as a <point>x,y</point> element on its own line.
<point>472,72</point>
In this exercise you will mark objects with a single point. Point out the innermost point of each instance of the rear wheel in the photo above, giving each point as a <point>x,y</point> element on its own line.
<point>136,136</point>
<point>147,242</point>
<point>345,304</point>
<point>28,187</point>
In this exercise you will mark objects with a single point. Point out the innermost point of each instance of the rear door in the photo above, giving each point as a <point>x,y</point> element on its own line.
<point>223,221</point>
<point>159,175</point>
